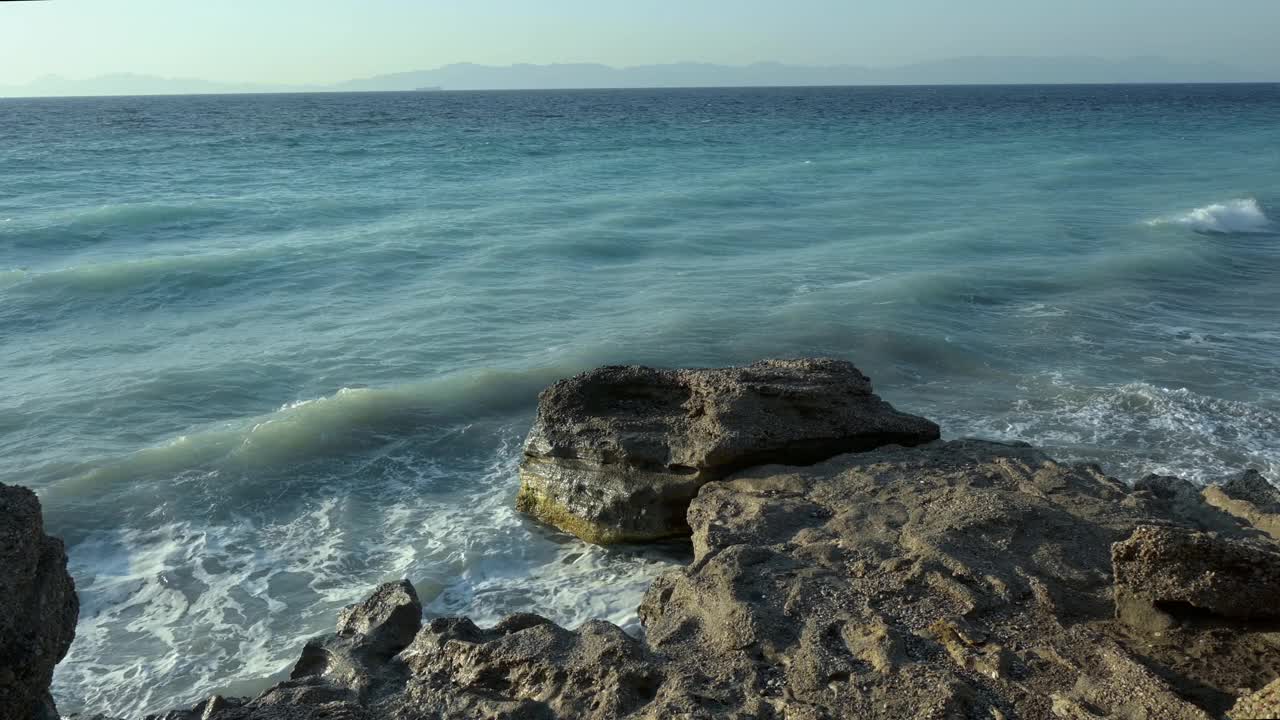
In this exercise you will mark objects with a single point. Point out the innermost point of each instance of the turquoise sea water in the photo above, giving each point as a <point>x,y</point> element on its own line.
<point>263,352</point>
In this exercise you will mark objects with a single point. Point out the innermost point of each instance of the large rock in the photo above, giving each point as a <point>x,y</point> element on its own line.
<point>616,454</point>
<point>38,607</point>
<point>1174,567</point>
<point>962,579</point>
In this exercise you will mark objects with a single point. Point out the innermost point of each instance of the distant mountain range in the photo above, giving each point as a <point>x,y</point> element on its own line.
<point>468,76</point>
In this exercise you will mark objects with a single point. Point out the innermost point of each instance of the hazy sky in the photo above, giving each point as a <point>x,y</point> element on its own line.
<point>291,41</point>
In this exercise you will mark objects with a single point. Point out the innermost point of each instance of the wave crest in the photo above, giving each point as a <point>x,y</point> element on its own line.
<point>1240,216</point>
<point>350,419</point>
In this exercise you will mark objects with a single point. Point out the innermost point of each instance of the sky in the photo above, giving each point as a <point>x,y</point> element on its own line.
<point>323,41</point>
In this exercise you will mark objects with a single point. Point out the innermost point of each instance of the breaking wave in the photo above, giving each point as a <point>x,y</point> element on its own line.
<point>1242,216</point>
<point>349,420</point>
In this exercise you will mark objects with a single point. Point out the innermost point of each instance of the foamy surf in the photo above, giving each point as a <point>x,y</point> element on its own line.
<point>1138,428</point>
<point>1242,216</point>
<point>215,606</point>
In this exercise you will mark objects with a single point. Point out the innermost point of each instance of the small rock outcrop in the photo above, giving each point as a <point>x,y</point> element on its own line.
<point>369,634</point>
<point>38,608</point>
<point>1250,498</point>
<point>616,454</point>
<point>526,667</point>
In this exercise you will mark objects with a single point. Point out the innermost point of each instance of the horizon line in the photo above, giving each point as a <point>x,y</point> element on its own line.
<point>674,88</point>
<point>1219,65</point>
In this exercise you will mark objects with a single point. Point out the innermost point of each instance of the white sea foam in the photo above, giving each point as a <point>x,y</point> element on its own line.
<point>1140,428</point>
<point>1241,216</point>
<point>1040,310</point>
<point>216,606</point>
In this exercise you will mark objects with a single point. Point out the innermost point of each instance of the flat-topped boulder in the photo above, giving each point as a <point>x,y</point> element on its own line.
<point>617,453</point>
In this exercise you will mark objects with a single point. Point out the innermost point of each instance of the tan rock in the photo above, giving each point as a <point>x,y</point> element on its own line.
<point>616,454</point>
<point>1261,705</point>
<point>1173,567</point>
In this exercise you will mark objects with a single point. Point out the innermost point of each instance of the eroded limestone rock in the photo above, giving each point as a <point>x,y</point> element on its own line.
<point>527,666</point>
<point>954,580</point>
<point>962,579</point>
<point>369,634</point>
<point>1174,567</point>
<point>617,453</point>
<point>1250,498</point>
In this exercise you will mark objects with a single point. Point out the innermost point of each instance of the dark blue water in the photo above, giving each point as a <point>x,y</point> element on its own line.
<point>262,352</point>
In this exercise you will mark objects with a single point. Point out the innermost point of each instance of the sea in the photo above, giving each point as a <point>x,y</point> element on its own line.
<point>262,352</point>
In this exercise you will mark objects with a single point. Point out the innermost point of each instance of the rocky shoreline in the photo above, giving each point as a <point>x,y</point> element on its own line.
<point>847,564</point>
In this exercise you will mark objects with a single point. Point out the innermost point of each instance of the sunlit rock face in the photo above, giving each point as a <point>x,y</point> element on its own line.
<point>616,454</point>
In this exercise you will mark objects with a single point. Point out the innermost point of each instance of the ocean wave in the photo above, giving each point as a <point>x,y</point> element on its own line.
<point>350,419</point>
<point>12,277</point>
<point>117,275</point>
<point>141,214</point>
<point>1243,216</point>
<point>244,259</point>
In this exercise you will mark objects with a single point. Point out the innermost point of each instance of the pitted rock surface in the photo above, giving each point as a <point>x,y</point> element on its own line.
<point>617,453</point>
<point>953,580</point>
<point>979,570</point>
<point>1261,705</point>
<point>1175,567</point>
